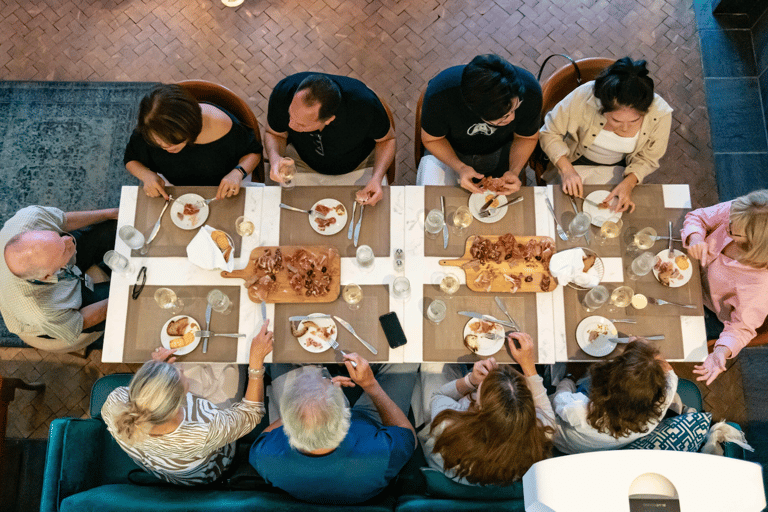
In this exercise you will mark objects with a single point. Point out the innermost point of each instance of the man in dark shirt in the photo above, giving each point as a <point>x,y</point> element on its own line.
<point>333,123</point>
<point>479,120</point>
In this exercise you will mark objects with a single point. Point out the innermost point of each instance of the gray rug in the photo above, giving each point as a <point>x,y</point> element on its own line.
<point>62,144</point>
<point>754,371</point>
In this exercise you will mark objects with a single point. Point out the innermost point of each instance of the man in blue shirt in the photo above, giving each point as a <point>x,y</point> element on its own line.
<point>321,451</point>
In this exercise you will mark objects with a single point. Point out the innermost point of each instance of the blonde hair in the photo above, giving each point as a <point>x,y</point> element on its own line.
<point>749,214</point>
<point>154,396</point>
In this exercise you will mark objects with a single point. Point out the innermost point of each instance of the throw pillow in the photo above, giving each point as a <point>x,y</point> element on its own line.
<point>683,433</point>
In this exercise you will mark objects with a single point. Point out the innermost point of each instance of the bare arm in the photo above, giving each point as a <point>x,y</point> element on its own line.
<point>383,155</point>
<point>274,145</point>
<point>94,314</point>
<point>443,151</point>
<point>77,220</point>
<point>153,184</point>
<point>520,152</point>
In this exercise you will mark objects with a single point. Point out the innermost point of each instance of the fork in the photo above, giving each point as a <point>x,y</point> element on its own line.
<point>661,302</point>
<point>208,334</point>
<point>560,232</point>
<point>294,209</point>
<point>335,346</point>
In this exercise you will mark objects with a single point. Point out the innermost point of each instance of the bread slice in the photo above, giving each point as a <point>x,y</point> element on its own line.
<point>177,327</point>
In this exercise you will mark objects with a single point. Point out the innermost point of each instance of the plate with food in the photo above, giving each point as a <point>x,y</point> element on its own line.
<point>599,213</point>
<point>476,201</point>
<point>179,333</point>
<point>189,211</point>
<point>673,270</point>
<point>335,216</point>
<point>592,336</point>
<point>224,242</point>
<point>314,335</point>
<point>483,338</point>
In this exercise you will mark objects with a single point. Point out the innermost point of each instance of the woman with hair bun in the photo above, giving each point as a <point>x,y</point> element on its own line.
<point>613,130</point>
<point>175,435</point>
<point>730,240</point>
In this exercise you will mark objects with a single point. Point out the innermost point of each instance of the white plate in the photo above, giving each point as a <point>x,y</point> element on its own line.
<point>166,338</point>
<point>312,334</point>
<point>189,221</point>
<point>341,220</point>
<point>686,274</point>
<point>599,215</point>
<point>488,346</point>
<point>476,201</point>
<point>601,346</point>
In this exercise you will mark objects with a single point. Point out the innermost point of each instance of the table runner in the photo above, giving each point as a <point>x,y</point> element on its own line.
<point>365,320</point>
<point>295,228</point>
<point>518,219</point>
<point>173,241</point>
<point>145,320</point>
<point>445,341</point>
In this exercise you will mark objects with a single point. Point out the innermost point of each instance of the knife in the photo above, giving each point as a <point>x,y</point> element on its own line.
<point>359,223</point>
<point>263,311</point>
<point>487,318</point>
<point>352,221</point>
<point>488,203</point>
<point>503,308</point>
<point>576,209</point>
<point>302,318</point>
<point>348,327</point>
<point>445,226</point>
<point>155,229</point>
<point>626,340</point>
<point>207,327</point>
<point>670,240</point>
<point>514,201</point>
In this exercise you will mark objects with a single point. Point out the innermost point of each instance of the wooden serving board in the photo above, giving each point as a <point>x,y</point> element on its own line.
<point>499,284</point>
<point>284,293</point>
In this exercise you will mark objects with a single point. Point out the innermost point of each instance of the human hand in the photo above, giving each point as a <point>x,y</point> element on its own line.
<point>274,171</point>
<point>230,184</point>
<point>622,193</point>
<point>362,375</point>
<point>154,185</point>
<point>261,345</point>
<point>699,249</point>
<point>164,354</point>
<point>511,183</point>
<point>343,381</point>
<point>466,177</point>
<point>572,184</point>
<point>481,369</point>
<point>524,355</point>
<point>713,365</point>
<point>371,194</point>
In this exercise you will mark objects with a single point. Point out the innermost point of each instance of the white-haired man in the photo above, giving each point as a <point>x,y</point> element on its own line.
<point>42,273</point>
<point>321,451</point>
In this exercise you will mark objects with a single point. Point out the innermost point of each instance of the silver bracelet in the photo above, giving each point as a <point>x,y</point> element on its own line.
<point>256,373</point>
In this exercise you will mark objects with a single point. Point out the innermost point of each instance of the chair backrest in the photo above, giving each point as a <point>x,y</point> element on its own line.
<point>219,95</point>
<point>418,145</point>
<point>60,346</point>
<point>392,169</point>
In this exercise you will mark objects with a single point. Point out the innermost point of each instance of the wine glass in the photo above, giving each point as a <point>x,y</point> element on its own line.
<point>167,299</point>
<point>641,265</point>
<point>220,302</point>
<point>459,220</point>
<point>352,295</point>
<point>449,285</point>
<point>244,226</point>
<point>642,241</point>
<point>609,230</point>
<point>621,297</point>
<point>287,170</point>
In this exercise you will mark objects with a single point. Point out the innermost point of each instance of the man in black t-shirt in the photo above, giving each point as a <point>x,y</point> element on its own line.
<point>479,120</point>
<point>334,123</point>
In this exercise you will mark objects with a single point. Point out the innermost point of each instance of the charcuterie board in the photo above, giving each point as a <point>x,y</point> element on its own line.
<point>515,274</point>
<point>280,290</point>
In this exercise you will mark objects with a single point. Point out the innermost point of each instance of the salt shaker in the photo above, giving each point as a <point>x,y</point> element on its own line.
<point>399,260</point>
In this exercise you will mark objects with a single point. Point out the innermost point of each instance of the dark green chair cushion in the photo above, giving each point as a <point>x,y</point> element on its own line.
<point>689,393</point>
<point>424,504</point>
<point>440,486</point>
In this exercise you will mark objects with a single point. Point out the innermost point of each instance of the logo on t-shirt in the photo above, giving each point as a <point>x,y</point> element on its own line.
<point>481,128</point>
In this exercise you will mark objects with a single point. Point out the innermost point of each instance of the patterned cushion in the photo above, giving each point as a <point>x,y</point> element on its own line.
<point>684,433</point>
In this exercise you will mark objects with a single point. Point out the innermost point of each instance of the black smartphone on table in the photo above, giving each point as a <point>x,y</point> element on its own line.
<point>392,329</point>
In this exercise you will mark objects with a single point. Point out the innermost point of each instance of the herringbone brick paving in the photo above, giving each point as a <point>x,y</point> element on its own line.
<point>394,46</point>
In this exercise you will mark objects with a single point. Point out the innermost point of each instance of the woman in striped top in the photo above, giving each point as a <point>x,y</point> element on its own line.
<point>175,435</point>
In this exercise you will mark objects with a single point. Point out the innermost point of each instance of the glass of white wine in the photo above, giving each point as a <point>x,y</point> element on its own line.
<point>167,299</point>
<point>460,220</point>
<point>352,295</point>
<point>609,230</point>
<point>642,240</point>
<point>287,170</point>
<point>621,297</point>
<point>244,226</point>
<point>449,285</point>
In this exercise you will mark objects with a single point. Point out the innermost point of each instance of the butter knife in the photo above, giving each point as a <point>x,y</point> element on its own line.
<point>352,221</point>
<point>488,203</point>
<point>349,327</point>
<point>207,327</point>
<point>263,311</point>
<point>359,223</point>
<point>626,340</point>
<point>487,318</point>
<point>560,232</point>
<point>445,225</point>
<point>302,318</point>
<point>156,228</point>
<point>503,309</point>
<point>670,240</point>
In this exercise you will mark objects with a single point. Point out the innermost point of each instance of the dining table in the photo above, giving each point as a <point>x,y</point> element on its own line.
<point>393,227</point>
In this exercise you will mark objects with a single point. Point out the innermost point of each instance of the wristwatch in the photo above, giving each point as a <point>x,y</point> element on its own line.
<point>240,168</point>
<point>256,373</point>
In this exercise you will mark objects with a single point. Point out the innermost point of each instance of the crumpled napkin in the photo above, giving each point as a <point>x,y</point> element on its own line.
<point>722,432</point>
<point>203,252</point>
<point>568,266</point>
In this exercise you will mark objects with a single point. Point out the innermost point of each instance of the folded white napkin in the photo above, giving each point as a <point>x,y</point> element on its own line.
<point>568,266</point>
<point>203,252</point>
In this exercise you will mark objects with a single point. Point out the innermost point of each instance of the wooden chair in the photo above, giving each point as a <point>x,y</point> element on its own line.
<point>7,392</point>
<point>219,95</point>
<point>392,169</point>
<point>558,86</point>
<point>418,145</point>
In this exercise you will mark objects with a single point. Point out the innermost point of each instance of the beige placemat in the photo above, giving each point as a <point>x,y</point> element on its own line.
<point>518,220</point>
<point>295,228</point>
<point>145,320</point>
<point>647,325</point>
<point>172,240</point>
<point>565,214</point>
<point>445,341</point>
<point>365,320</point>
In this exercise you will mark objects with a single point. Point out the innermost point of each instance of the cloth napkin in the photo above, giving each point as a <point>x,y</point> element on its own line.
<point>568,266</point>
<point>203,252</point>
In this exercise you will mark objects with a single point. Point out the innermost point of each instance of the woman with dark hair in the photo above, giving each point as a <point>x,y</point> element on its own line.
<point>613,130</point>
<point>628,396</point>
<point>189,143</point>
<point>491,425</point>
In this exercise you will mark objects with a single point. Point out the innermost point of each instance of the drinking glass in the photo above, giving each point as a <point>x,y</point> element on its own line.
<point>167,299</point>
<point>459,220</point>
<point>352,295</point>
<point>595,298</point>
<point>609,230</point>
<point>364,257</point>
<point>220,302</point>
<point>133,239</point>
<point>436,311</point>
<point>579,225</point>
<point>244,226</point>
<point>401,287</point>
<point>287,170</point>
<point>621,298</point>
<point>118,263</point>
<point>641,265</point>
<point>434,223</point>
<point>642,241</point>
<point>449,285</point>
